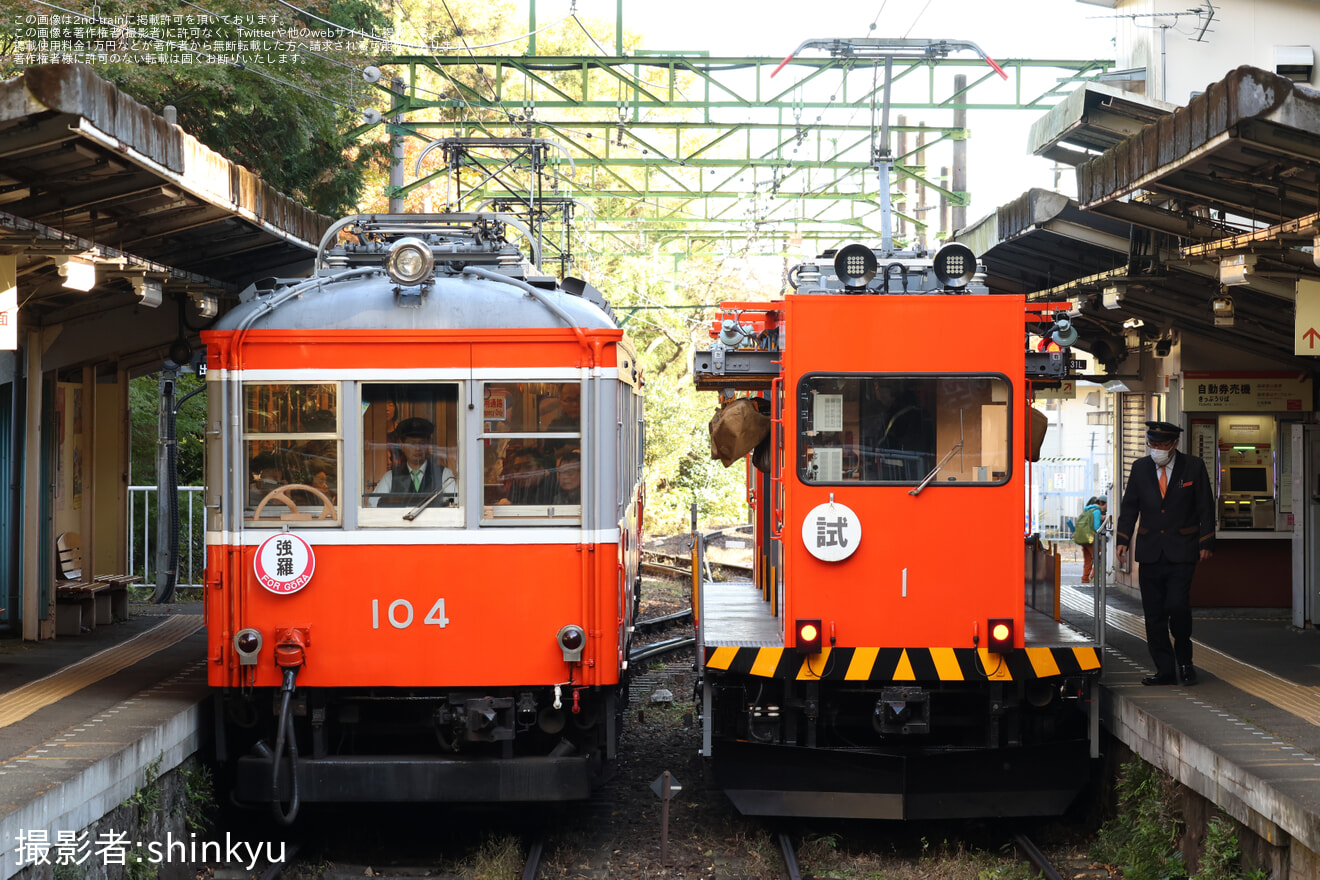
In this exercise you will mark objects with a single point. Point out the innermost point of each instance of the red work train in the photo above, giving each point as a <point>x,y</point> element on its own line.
<point>887,660</point>
<point>424,501</point>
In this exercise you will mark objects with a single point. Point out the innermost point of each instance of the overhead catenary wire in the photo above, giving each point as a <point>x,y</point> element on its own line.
<point>917,19</point>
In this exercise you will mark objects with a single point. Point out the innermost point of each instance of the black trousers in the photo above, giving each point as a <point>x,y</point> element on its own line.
<point>1166,600</point>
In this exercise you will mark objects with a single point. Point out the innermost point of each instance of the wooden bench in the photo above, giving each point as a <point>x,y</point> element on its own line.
<point>112,605</point>
<point>75,607</point>
<point>82,603</point>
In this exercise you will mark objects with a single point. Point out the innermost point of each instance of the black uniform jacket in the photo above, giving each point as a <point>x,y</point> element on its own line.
<point>1178,526</point>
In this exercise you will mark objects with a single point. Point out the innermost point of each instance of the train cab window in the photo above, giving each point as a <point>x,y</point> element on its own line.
<point>410,464</point>
<point>899,429</point>
<point>291,443</point>
<point>532,453</point>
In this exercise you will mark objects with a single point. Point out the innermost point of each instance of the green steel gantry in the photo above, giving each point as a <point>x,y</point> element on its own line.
<point>695,149</point>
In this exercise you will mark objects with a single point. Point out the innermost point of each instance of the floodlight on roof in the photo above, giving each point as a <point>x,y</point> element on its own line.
<point>150,291</point>
<point>78,271</point>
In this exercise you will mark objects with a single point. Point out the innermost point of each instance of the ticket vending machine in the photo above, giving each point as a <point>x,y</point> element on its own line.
<point>1247,472</point>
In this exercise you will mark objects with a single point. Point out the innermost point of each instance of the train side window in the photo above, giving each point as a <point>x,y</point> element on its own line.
<point>291,443</point>
<point>897,429</point>
<point>411,455</point>
<point>531,453</point>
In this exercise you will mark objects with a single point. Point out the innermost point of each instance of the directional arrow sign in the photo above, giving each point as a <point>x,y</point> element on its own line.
<point>1306,332</point>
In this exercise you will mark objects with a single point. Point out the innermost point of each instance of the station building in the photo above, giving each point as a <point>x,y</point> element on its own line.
<point>1187,250</point>
<point>121,237</point>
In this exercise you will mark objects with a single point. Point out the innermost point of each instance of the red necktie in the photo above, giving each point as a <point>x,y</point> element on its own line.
<point>1164,482</point>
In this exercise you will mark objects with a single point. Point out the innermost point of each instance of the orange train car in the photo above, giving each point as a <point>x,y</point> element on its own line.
<point>423,508</point>
<point>891,657</point>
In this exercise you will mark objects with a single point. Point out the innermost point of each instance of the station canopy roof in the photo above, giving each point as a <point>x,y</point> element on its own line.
<point>89,174</point>
<point>1233,178</point>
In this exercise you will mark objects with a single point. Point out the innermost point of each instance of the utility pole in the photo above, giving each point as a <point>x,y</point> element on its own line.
<point>959,182</point>
<point>396,148</point>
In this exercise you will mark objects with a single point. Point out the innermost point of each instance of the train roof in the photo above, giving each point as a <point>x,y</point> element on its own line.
<point>374,302</point>
<point>422,272</point>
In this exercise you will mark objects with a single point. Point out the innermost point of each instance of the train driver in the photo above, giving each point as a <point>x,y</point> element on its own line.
<point>894,441</point>
<point>419,475</point>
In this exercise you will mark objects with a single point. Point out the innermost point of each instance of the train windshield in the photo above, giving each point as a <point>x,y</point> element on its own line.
<point>896,429</point>
<point>410,443</point>
<point>291,442</point>
<point>532,452</point>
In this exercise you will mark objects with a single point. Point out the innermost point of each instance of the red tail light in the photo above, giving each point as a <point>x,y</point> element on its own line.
<point>807,636</point>
<point>1000,630</point>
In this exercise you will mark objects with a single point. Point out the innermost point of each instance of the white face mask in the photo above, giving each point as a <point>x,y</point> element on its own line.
<point>1161,457</point>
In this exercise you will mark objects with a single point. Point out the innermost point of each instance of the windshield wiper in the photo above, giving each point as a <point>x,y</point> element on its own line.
<point>957,447</point>
<point>416,511</point>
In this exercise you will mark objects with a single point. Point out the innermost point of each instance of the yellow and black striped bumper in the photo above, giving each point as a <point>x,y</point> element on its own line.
<point>904,664</point>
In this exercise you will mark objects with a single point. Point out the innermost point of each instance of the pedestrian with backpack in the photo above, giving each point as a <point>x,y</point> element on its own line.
<point>1088,523</point>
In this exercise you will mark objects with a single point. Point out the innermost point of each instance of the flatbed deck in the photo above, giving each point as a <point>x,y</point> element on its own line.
<point>735,615</point>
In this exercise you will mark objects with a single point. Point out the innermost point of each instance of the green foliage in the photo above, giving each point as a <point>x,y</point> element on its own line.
<point>147,798</point>
<point>198,795</point>
<point>143,395</point>
<point>141,869</point>
<point>190,426</point>
<point>666,317</point>
<point>1221,853</point>
<point>284,113</point>
<point>1143,838</point>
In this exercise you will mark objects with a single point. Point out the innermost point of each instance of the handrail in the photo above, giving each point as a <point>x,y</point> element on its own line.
<point>776,458</point>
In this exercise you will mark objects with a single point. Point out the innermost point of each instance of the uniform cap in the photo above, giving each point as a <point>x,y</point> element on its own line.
<point>416,427</point>
<point>1102,499</point>
<point>1162,431</point>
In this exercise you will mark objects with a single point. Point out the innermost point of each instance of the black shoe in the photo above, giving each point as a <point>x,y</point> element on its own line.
<point>1159,679</point>
<point>1187,674</point>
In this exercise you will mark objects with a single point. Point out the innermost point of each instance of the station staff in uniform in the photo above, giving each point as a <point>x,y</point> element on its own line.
<point>1169,493</point>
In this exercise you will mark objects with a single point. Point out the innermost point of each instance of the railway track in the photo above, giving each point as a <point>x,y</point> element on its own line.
<point>668,565</point>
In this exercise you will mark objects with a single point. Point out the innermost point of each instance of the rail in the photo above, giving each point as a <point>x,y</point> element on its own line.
<point>142,532</point>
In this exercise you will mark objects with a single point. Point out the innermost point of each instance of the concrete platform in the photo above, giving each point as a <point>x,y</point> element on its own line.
<point>1246,736</point>
<point>79,726</point>
<point>82,719</point>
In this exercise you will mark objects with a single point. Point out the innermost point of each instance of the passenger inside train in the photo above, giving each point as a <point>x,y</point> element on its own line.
<point>565,485</point>
<point>290,434</point>
<point>528,427</point>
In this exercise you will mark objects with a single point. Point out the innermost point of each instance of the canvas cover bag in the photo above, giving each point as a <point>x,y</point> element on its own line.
<point>736,429</point>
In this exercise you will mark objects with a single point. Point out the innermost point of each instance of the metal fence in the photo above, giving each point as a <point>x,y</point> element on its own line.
<point>1061,487</point>
<point>142,534</point>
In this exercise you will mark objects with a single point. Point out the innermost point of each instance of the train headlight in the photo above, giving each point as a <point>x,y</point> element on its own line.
<point>856,265</point>
<point>1001,635</point>
<point>807,632</point>
<point>410,260</point>
<point>955,265</point>
<point>572,639</point>
<point>247,644</point>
